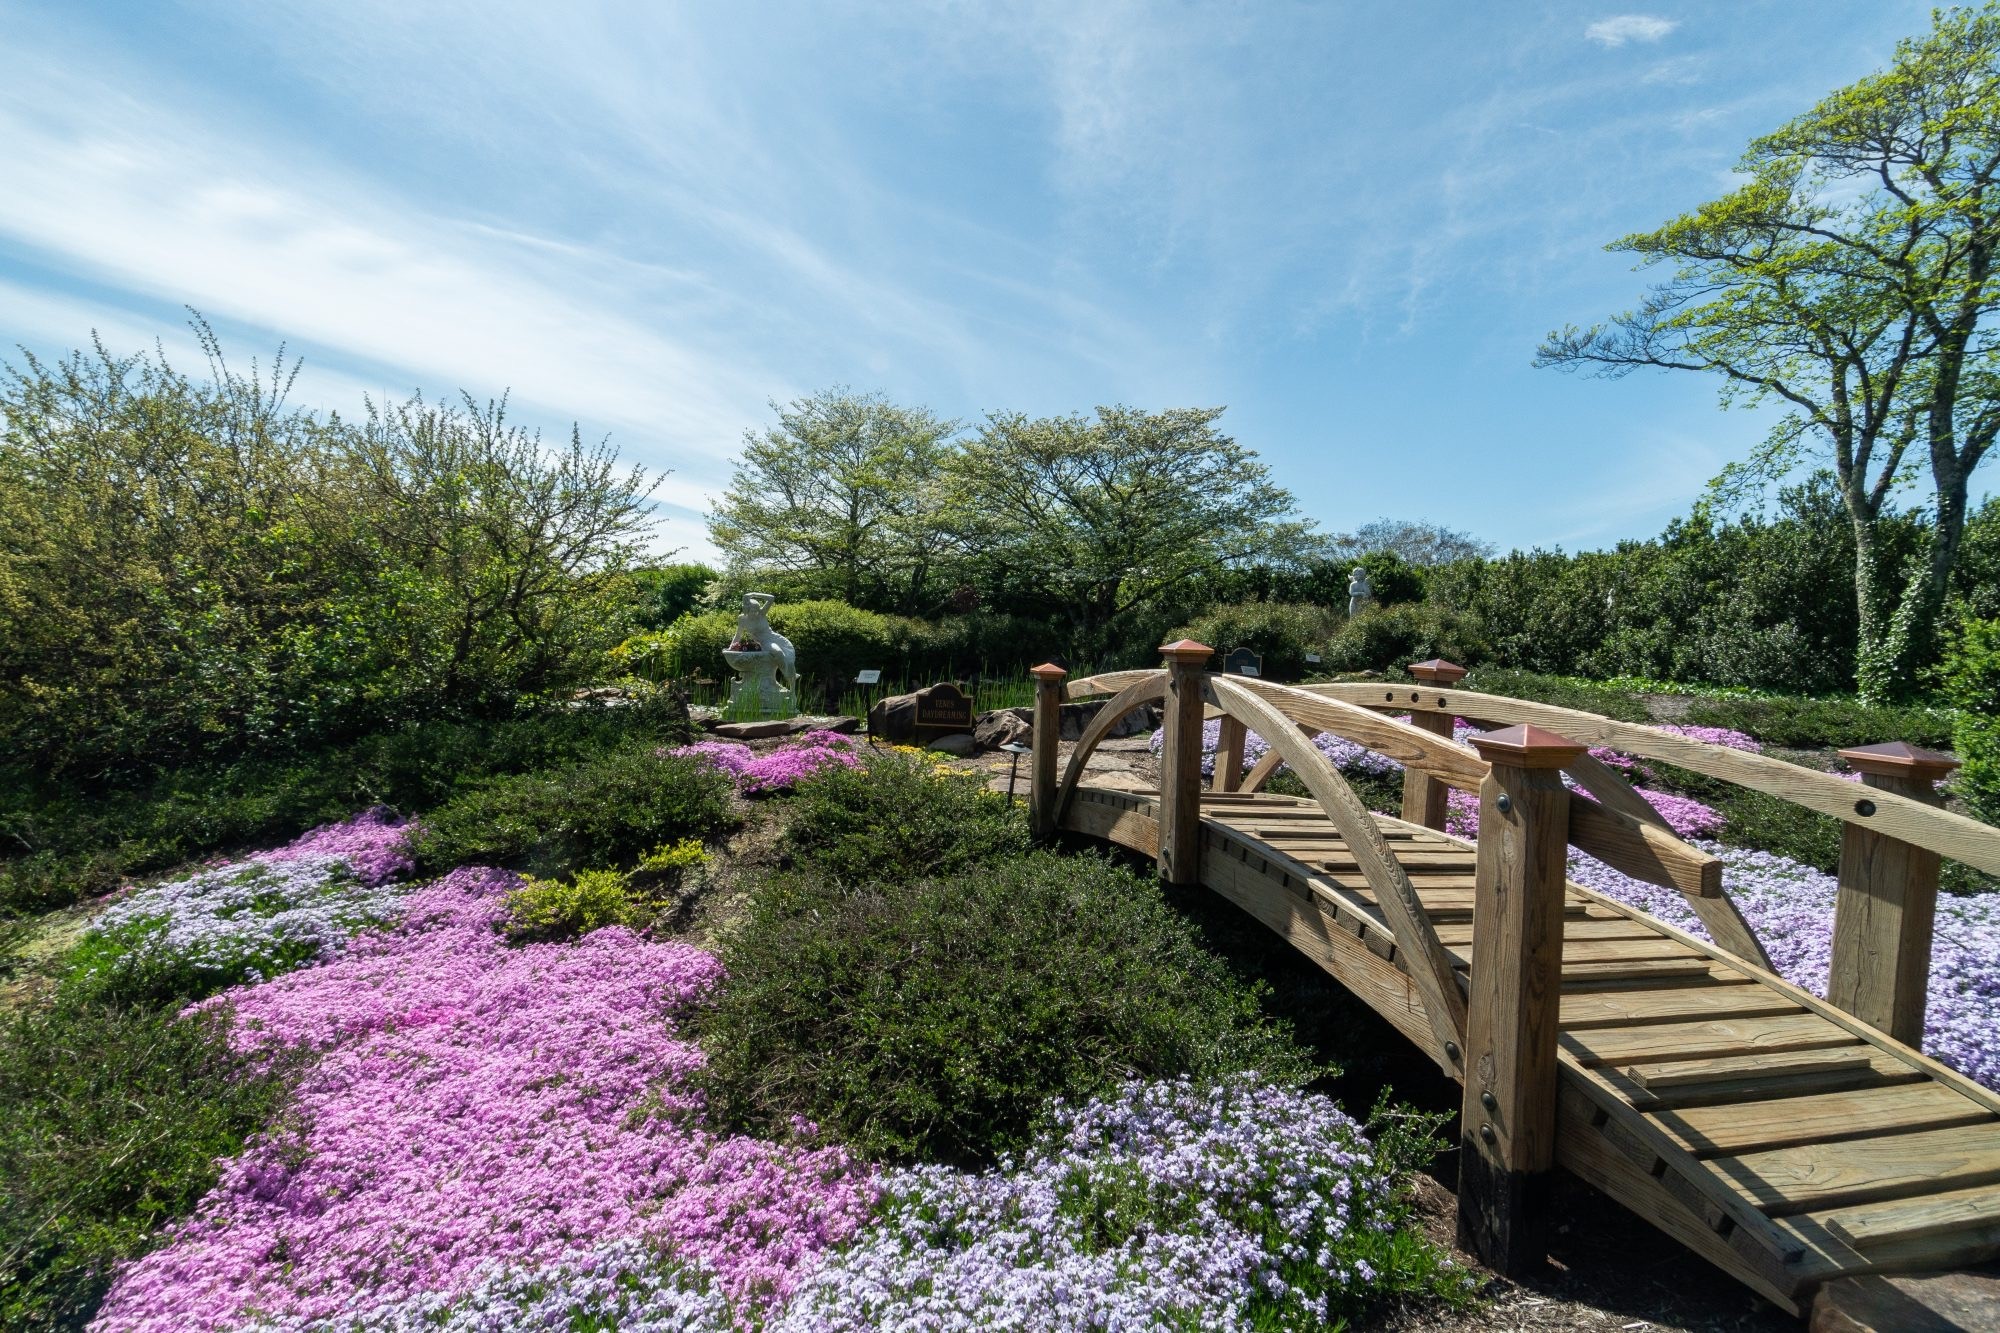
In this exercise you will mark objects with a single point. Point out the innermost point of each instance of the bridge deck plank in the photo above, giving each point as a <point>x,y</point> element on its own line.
<point>1825,1117</point>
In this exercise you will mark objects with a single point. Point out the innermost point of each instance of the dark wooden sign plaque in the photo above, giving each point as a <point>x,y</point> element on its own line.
<point>944,708</point>
<point>1243,662</point>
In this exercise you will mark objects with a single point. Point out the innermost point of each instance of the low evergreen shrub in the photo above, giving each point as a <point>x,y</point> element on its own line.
<point>113,1123</point>
<point>1831,724</point>
<point>930,1020</point>
<point>603,812</point>
<point>899,815</point>
<point>1390,638</point>
<point>1282,633</point>
<point>553,909</point>
<point>1559,691</point>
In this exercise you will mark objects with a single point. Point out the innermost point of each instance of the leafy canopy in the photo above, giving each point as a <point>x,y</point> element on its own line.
<point>1850,279</point>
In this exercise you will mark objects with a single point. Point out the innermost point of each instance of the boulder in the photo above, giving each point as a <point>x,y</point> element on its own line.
<point>1076,717</point>
<point>959,743</point>
<point>757,731</point>
<point>753,731</point>
<point>1004,726</point>
<point>894,719</point>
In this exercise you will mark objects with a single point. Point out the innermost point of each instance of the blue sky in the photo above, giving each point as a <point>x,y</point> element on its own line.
<point>1351,223</point>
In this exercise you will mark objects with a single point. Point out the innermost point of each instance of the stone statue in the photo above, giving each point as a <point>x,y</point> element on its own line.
<point>1359,591</point>
<point>766,664</point>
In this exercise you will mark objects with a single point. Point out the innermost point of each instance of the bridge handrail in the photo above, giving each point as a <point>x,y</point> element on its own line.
<point>1896,816</point>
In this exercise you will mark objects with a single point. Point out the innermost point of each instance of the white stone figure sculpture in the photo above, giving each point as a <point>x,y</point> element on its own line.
<point>764,660</point>
<point>1359,591</point>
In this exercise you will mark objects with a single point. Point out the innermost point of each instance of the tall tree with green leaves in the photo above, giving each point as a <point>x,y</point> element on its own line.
<point>845,492</point>
<point>1100,517</point>
<point>1850,278</point>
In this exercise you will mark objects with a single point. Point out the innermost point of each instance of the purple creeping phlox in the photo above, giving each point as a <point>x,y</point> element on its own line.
<point>478,1104</point>
<point>1344,754</point>
<point>1167,1205</point>
<point>247,920</point>
<point>781,769</point>
<point>1790,906</point>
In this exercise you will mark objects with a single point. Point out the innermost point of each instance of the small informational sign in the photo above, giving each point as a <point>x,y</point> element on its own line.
<point>1243,662</point>
<point>944,707</point>
<point>868,678</point>
<point>1312,659</point>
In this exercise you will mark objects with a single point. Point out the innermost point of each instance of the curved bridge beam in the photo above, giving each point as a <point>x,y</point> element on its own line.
<point>1149,686</point>
<point>1429,967</point>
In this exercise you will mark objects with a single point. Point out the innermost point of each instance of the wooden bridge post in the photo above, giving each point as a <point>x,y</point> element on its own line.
<point>1423,795</point>
<point>1043,743</point>
<point>1508,1125</point>
<point>1229,748</point>
<point>1180,762</point>
<point>1887,901</point>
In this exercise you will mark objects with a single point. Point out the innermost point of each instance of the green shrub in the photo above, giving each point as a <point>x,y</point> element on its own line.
<point>1814,724</point>
<point>550,909</point>
<point>1558,691</point>
<point>834,641</point>
<point>1971,678</point>
<point>897,816</point>
<point>1390,638</point>
<point>1282,633</point>
<point>930,1020</point>
<point>603,812</point>
<point>113,1123</point>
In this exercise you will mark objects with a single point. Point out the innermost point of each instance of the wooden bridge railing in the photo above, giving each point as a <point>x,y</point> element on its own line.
<point>1497,1029</point>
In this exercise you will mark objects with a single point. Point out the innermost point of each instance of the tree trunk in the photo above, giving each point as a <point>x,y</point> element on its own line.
<point>1874,658</point>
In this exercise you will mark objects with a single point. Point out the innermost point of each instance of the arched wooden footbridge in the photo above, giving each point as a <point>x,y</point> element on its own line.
<point>1788,1139</point>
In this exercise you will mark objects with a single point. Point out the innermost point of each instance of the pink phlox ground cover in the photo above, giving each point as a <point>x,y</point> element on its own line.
<point>478,1104</point>
<point>781,769</point>
<point>375,844</point>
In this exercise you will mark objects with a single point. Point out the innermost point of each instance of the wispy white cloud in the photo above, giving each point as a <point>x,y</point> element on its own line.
<point>1629,28</point>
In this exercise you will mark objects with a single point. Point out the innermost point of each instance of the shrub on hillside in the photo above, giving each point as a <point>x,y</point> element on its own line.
<point>930,1020</point>
<point>1814,724</point>
<point>113,1123</point>
<point>82,840</point>
<point>897,816</point>
<point>1282,633</point>
<point>1390,638</point>
<point>603,812</point>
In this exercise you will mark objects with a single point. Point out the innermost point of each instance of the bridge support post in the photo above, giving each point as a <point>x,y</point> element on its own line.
<point>1423,795</point>
<point>1229,755</point>
<point>1508,1134</point>
<point>1043,743</point>
<point>1887,902</point>
<point>1180,762</point>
